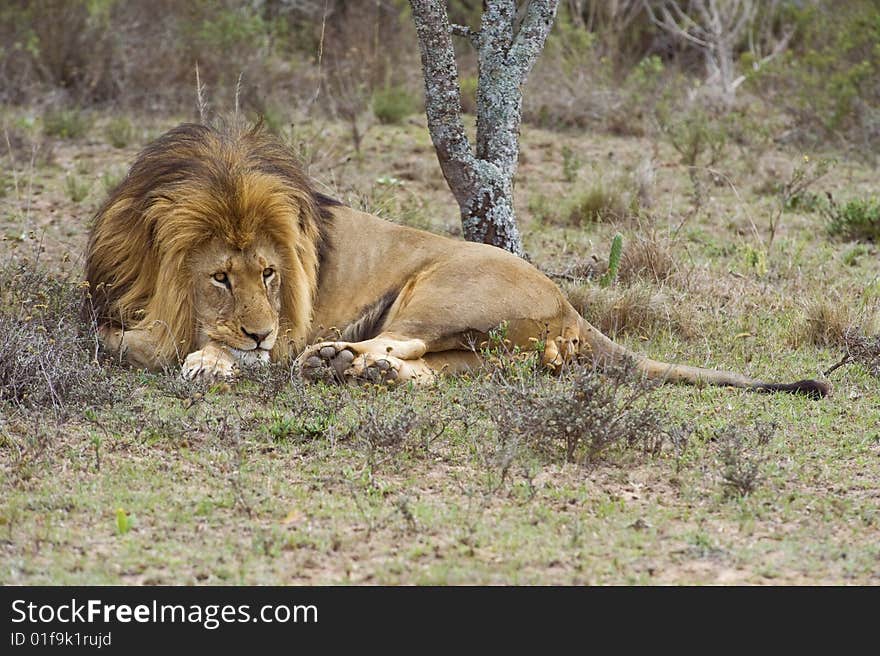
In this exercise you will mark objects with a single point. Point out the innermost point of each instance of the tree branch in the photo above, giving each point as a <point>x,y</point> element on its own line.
<point>533,31</point>
<point>442,95</point>
<point>472,36</point>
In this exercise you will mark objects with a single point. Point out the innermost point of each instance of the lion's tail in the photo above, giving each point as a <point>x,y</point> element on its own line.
<point>605,350</point>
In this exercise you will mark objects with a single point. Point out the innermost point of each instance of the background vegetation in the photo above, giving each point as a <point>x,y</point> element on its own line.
<point>741,235</point>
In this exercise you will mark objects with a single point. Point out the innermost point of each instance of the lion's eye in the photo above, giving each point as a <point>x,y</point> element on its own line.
<point>268,273</point>
<point>222,278</point>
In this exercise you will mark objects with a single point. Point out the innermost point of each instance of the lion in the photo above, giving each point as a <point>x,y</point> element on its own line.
<point>216,252</point>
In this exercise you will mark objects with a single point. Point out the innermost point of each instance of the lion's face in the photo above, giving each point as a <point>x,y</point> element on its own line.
<point>237,295</point>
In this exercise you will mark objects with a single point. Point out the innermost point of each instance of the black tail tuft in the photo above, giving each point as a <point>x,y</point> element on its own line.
<point>815,389</point>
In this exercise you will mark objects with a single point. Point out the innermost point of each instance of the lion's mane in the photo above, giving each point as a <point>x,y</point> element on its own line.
<point>192,184</point>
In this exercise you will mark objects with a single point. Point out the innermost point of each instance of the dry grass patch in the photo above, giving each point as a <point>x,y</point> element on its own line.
<point>647,257</point>
<point>638,309</point>
<point>824,322</point>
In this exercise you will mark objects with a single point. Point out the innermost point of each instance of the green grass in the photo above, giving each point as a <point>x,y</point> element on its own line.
<point>67,123</point>
<point>393,104</point>
<point>139,478</point>
<point>858,218</point>
<point>119,132</point>
<point>77,189</point>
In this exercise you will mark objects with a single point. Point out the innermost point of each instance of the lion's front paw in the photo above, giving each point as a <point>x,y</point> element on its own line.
<point>326,361</point>
<point>210,363</point>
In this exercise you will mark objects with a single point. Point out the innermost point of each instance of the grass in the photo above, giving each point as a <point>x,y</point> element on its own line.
<point>66,123</point>
<point>393,104</point>
<point>858,218</point>
<point>119,132</point>
<point>77,189</point>
<point>125,477</point>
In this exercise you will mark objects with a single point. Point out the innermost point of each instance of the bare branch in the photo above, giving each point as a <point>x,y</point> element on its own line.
<point>714,27</point>
<point>466,32</point>
<point>680,25</point>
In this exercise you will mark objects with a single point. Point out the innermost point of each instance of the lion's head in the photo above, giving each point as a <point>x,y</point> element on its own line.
<point>212,235</point>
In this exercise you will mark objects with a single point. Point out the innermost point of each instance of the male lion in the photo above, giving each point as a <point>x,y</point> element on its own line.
<point>215,251</point>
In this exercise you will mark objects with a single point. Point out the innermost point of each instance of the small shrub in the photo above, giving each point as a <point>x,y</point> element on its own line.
<point>47,358</point>
<point>806,201</point>
<point>827,78</point>
<point>172,384</point>
<point>302,426</point>
<point>119,132</point>
<point>740,451</point>
<point>852,255</point>
<point>754,260</point>
<point>66,123</point>
<point>640,91</point>
<point>228,30</point>
<point>583,413</point>
<point>861,349</point>
<point>569,86</point>
<point>392,421</point>
<point>391,199</point>
<point>864,350</point>
<point>600,202</point>
<point>393,104</point>
<point>699,136</point>
<point>604,201</point>
<point>806,173</point>
<point>111,178</point>
<point>274,119</point>
<point>858,218</point>
<point>316,415</point>
<point>541,208</point>
<point>502,357</point>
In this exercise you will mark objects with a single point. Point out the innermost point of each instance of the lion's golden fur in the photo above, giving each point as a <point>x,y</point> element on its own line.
<point>190,185</point>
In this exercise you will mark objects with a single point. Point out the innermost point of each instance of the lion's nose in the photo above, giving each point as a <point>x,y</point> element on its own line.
<point>257,337</point>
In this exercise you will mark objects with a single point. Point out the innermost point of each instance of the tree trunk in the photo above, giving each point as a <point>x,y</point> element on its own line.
<point>482,180</point>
